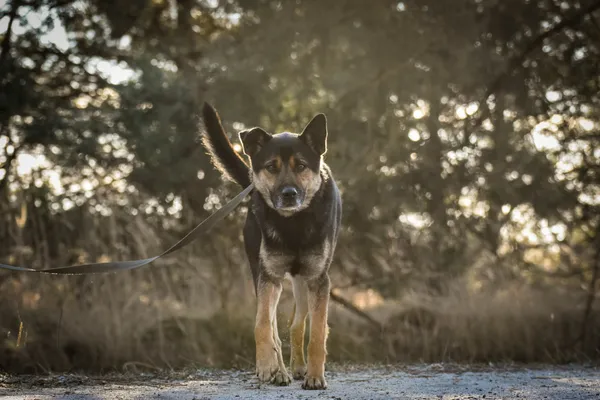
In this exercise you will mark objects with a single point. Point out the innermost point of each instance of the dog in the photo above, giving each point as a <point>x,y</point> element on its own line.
<point>291,231</point>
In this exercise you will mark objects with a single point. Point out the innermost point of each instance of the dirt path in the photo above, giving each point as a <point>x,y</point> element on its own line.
<point>405,382</point>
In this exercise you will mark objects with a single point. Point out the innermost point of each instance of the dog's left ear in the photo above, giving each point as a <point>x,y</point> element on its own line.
<point>315,134</point>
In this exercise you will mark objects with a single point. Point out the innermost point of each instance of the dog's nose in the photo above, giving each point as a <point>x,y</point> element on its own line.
<point>289,192</point>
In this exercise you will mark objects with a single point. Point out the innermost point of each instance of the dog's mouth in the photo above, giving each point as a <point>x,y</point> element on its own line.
<point>288,199</point>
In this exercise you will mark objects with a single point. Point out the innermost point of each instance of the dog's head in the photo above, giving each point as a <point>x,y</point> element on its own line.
<point>286,166</point>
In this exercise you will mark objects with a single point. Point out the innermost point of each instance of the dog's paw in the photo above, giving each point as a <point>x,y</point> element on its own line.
<point>281,378</point>
<point>314,383</point>
<point>299,371</point>
<point>266,369</point>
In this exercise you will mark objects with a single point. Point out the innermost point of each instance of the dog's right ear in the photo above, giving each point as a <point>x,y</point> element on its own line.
<point>253,140</point>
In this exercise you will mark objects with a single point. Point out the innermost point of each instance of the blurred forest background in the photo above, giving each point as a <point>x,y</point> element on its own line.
<point>464,136</point>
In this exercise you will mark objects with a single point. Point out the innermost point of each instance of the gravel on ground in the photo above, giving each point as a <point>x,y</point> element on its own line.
<point>432,381</point>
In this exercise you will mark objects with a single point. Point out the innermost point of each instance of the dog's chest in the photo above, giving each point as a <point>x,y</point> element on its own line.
<point>300,245</point>
<point>301,249</point>
<point>309,263</point>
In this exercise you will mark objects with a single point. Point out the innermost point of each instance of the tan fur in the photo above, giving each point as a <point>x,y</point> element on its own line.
<point>268,345</point>
<point>272,233</point>
<point>308,180</point>
<point>309,264</point>
<point>269,360</point>
<point>313,301</point>
<point>315,374</point>
<point>264,182</point>
<point>278,343</point>
<point>313,263</point>
<point>316,261</point>
<point>297,327</point>
<point>274,263</point>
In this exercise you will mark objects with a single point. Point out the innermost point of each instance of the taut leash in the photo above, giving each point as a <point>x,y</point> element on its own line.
<point>97,268</point>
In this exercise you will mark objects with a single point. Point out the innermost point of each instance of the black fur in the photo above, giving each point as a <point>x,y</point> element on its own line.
<point>253,140</point>
<point>223,156</point>
<point>292,227</point>
<point>300,232</point>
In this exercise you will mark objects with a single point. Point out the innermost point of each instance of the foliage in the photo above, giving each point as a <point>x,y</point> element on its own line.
<point>464,136</point>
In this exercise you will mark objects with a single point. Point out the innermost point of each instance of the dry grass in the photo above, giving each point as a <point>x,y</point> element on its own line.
<point>119,325</point>
<point>197,309</point>
<point>518,324</point>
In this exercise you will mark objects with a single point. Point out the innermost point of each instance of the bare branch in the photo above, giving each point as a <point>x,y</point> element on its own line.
<point>351,307</point>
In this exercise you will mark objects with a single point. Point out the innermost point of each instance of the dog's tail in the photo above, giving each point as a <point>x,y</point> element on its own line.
<point>221,152</point>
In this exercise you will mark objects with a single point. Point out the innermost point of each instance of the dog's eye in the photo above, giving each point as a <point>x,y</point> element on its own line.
<point>300,167</point>
<point>271,168</point>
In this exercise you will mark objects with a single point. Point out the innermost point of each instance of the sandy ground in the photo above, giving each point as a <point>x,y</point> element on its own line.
<point>400,382</point>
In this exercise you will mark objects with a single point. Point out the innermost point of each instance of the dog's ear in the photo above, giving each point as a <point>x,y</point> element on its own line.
<point>315,134</point>
<point>253,139</point>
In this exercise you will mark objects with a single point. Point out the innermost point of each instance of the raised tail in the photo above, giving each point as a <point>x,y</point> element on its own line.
<point>221,152</point>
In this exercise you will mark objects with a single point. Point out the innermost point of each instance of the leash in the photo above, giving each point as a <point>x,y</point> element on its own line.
<point>97,268</point>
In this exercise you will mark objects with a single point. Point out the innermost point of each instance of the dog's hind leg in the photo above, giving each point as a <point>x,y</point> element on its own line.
<point>318,302</point>
<point>269,361</point>
<point>297,326</point>
<point>284,375</point>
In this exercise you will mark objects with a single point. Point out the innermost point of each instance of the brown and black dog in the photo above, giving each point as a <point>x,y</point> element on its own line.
<point>291,232</point>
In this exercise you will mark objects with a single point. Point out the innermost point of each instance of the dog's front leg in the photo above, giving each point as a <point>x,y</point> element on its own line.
<point>318,301</point>
<point>297,326</point>
<point>269,362</point>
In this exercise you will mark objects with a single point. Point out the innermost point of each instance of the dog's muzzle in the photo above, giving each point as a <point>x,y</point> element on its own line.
<point>288,197</point>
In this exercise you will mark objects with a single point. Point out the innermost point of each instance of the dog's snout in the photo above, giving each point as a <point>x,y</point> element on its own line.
<point>289,192</point>
<point>287,196</point>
